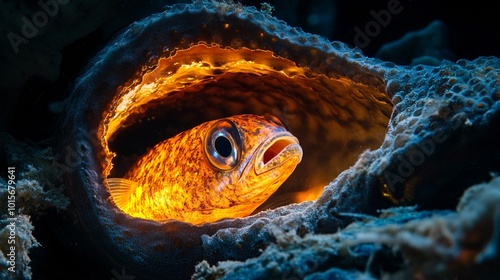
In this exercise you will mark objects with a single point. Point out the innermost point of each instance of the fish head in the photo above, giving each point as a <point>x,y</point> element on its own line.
<point>254,155</point>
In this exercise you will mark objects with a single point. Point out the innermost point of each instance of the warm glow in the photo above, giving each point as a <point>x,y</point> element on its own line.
<point>334,117</point>
<point>309,195</point>
<point>180,71</point>
<point>177,179</point>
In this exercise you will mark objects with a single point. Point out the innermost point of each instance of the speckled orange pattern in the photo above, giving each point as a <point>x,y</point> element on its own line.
<point>175,180</point>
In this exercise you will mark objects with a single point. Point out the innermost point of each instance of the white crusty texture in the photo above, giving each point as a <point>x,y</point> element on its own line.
<point>399,243</point>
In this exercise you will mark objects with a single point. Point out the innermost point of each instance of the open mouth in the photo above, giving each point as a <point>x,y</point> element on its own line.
<point>281,149</point>
<point>276,148</point>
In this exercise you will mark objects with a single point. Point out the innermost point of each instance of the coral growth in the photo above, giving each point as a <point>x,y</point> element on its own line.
<point>400,243</point>
<point>24,242</point>
<point>38,188</point>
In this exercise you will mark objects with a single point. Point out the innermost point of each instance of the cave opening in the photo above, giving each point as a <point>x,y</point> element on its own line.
<point>334,118</point>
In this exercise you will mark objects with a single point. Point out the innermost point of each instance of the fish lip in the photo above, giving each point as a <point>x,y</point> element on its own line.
<point>290,145</point>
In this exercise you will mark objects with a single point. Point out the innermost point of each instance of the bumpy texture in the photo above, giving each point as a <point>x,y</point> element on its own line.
<point>400,243</point>
<point>37,190</point>
<point>397,136</point>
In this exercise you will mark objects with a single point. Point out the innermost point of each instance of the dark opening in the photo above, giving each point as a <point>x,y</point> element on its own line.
<point>274,150</point>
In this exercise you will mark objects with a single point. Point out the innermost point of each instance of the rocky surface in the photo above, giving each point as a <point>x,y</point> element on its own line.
<point>398,243</point>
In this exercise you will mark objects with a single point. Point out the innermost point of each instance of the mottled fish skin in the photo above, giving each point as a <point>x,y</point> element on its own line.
<point>177,178</point>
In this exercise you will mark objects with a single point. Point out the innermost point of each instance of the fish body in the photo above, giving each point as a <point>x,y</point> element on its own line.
<point>220,169</point>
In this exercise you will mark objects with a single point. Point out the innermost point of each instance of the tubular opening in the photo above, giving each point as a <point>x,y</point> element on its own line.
<point>334,118</point>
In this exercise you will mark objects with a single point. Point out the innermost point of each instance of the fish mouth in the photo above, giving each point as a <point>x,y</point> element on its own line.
<point>281,149</point>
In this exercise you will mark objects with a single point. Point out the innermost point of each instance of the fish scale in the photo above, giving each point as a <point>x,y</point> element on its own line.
<point>175,180</point>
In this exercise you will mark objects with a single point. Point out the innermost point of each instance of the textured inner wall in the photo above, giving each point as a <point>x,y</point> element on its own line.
<point>443,136</point>
<point>203,83</point>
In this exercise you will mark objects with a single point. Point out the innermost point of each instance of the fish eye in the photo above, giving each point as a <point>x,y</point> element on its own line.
<point>223,145</point>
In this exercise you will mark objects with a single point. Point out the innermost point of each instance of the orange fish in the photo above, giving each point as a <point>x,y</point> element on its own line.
<point>220,169</point>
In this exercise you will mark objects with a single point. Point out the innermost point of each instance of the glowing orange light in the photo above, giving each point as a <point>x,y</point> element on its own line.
<point>179,71</point>
<point>278,82</point>
<point>188,178</point>
<point>310,194</point>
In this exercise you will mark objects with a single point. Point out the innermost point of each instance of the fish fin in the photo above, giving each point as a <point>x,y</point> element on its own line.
<point>120,189</point>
